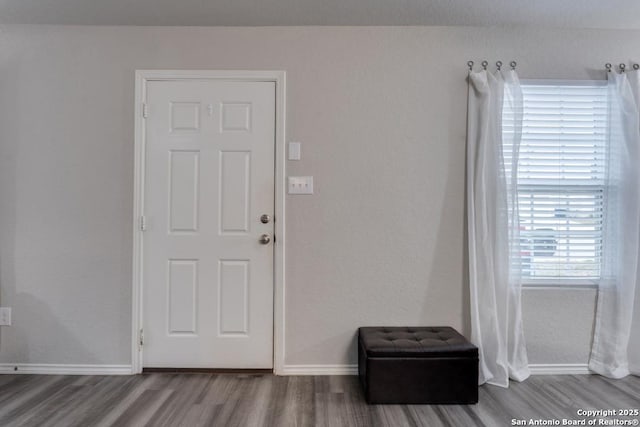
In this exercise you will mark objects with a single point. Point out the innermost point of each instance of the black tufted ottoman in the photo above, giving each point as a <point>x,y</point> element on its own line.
<point>417,365</point>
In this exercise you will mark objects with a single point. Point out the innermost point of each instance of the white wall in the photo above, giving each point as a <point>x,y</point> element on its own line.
<point>380,112</point>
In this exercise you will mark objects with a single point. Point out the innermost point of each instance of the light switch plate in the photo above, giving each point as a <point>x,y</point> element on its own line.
<point>294,151</point>
<point>300,185</point>
<point>5,316</point>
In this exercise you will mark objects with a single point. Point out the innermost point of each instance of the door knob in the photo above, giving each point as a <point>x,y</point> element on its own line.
<point>264,239</point>
<point>265,218</point>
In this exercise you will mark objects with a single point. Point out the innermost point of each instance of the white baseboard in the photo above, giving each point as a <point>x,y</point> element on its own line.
<point>60,369</point>
<point>559,369</point>
<point>536,369</point>
<point>319,370</point>
<point>63,369</point>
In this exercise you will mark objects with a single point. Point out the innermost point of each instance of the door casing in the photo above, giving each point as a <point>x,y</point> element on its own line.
<point>142,78</point>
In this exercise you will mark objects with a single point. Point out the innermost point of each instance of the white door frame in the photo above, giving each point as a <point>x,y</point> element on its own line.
<point>144,76</point>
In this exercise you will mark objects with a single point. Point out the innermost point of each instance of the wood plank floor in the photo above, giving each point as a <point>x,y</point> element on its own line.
<point>163,399</point>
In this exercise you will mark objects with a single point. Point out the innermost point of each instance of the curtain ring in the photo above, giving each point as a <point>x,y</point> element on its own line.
<point>513,65</point>
<point>484,65</point>
<point>470,64</point>
<point>608,67</point>
<point>499,64</point>
<point>622,67</point>
<point>636,66</point>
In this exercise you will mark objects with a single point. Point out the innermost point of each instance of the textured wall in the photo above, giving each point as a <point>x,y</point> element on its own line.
<point>380,112</point>
<point>558,324</point>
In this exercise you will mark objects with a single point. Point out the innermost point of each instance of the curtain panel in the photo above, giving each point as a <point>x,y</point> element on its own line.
<point>494,124</point>
<point>616,342</point>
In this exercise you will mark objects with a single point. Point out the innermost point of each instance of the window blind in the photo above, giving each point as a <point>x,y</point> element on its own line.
<point>561,179</point>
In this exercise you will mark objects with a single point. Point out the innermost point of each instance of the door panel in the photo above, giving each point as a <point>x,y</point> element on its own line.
<point>207,279</point>
<point>183,190</point>
<point>233,287</point>
<point>235,191</point>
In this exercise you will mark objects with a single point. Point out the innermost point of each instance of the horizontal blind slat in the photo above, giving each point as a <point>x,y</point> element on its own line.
<point>561,176</point>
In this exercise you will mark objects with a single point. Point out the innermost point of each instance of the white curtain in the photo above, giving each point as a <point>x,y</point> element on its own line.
<point>493,225</point>
<point>616,343</point>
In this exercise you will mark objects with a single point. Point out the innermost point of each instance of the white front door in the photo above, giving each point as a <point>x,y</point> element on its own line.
<point>208,180</point>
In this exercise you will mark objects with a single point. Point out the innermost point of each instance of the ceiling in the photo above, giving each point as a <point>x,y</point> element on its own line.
<point>609,14</point>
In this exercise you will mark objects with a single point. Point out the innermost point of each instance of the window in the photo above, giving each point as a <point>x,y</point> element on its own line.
<point>561,180</point>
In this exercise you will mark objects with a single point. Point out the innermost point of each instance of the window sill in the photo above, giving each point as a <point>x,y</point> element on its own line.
<point>560,284</point>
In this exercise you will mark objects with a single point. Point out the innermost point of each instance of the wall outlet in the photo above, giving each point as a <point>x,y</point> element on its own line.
<point>5,316</point>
